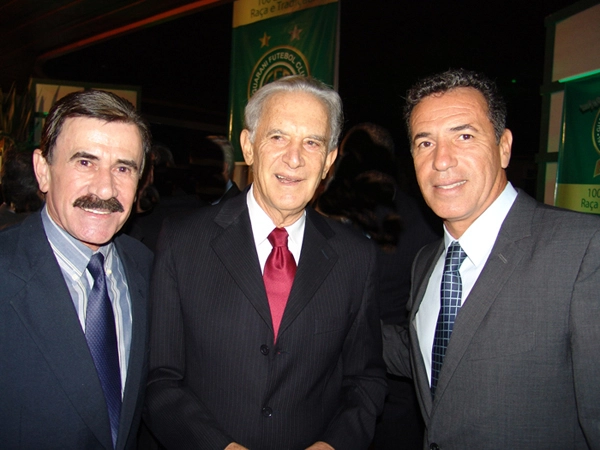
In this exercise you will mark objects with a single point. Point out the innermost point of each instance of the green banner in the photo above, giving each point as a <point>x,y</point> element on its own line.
<point>276,38</point>
<point>578,178</point>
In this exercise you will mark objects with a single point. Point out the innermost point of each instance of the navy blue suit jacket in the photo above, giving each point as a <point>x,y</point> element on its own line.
<point>50,395</point>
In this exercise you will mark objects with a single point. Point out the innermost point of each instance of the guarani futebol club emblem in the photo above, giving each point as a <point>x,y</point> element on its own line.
<point>277,63</point>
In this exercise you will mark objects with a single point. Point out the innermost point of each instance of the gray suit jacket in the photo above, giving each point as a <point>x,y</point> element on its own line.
<point>521,369</point>
<point>215,374</point>
<point>50,395</point>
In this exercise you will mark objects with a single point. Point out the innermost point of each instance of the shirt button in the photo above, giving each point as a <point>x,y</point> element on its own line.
<point>434,446</point>
<point>267,412</point>
<point>264,349</point>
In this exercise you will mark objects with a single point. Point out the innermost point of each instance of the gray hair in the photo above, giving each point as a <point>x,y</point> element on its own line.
<point>297,83</point>
<point>458,78</point>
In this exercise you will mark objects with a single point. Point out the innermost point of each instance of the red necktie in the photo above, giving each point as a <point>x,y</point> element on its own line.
<point>278,275</point>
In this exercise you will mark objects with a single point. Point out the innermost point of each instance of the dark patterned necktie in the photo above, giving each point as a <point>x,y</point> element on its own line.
<point>101,337</point>
<point>278,275</point>
<point>450,301</point>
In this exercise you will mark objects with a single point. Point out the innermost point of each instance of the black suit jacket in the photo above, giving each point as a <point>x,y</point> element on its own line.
<point>215,374</point>
<point>231,192</point>
<point>50,395</point>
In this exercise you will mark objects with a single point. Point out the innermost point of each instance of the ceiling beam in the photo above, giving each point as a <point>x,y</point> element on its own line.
<point>189,8</point>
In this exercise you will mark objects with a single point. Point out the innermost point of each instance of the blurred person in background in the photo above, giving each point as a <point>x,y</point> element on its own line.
<point>19,188</point>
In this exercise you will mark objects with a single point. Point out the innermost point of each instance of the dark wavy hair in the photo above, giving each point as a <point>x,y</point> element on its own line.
<point>95,104</point>
<point>459,78</point>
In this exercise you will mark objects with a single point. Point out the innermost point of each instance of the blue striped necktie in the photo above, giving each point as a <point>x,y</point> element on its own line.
<point>450,301</point>
<point>101,337</point>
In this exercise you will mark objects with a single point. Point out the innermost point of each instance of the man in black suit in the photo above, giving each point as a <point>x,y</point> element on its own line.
<point>232,367</point>
<point>73,332</point>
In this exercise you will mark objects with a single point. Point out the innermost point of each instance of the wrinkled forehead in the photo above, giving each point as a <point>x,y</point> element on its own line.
<point>300,106</point>
<point>87,133</point>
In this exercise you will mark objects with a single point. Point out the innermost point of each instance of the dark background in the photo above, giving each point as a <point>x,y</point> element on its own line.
<point>183,65</point>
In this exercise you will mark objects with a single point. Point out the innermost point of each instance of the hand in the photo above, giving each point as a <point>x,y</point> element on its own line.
<point>320,446</point>
<point>234,446</point>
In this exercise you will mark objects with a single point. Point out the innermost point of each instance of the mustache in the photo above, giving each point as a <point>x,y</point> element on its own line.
<point>93,202</point>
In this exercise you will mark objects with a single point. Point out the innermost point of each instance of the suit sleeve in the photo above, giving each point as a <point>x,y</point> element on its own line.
<point>585,342</point>
<point>396,344</point>
<point>396,353</point>
<point>364,386</point>
<point>174,414</point>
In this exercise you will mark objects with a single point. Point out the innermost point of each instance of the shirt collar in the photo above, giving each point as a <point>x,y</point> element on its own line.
<point>74,251</point>
<point>480,237</point>
<point>262,225</point>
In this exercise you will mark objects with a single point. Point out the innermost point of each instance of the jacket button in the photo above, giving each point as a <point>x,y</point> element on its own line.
<point>264,349</point>
<point>434,446</point>
<point>267,412</point>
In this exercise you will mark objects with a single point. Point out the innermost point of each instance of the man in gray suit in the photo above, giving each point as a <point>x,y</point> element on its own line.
<point>509,362</point>
<point>73,312</point>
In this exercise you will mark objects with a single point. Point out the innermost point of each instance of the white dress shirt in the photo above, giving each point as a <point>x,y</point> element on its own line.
<point>262,225</point>
<point>477,242</point>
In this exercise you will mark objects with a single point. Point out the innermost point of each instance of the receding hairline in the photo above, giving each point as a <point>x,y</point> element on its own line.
<point>271,97</point>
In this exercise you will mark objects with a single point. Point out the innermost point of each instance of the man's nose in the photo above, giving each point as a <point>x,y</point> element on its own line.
<point>444,156</point>
<point>103,184</point>
<point>293,155</point>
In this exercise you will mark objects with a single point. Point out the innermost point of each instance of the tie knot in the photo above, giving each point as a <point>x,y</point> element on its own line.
<point>278,237</point>
<point>454,258</point>
<point>96,265</point>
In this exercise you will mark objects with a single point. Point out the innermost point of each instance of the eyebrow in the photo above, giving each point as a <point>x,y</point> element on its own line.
<point>466,126</point>
<point>125,162</point>
<point>83,155</point>
<point>317,137</point>
<point>420,135</point>
<point>314,137</point>
<point>128,163</point>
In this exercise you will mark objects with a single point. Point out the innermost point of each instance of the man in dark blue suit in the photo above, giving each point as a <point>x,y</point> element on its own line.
<point>73,311</point>
<point>233,367</point>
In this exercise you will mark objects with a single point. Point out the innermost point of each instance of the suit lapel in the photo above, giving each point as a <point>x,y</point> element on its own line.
<point>46,310</point>
<point>422,272</point>
<point>236,249</point>
<point>137,353</point>
<point>501,264</point>
<point>316,261</point>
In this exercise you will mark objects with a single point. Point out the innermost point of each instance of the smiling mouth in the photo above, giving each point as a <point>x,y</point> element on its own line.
<point>96,211</point>
<point>450,186</point>
<point>286,179</point>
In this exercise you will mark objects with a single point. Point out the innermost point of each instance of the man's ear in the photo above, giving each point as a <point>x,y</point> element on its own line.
<point>247,149</point>
<point>42,170</point>
<point>329,160</point>
<point>505,148</point>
